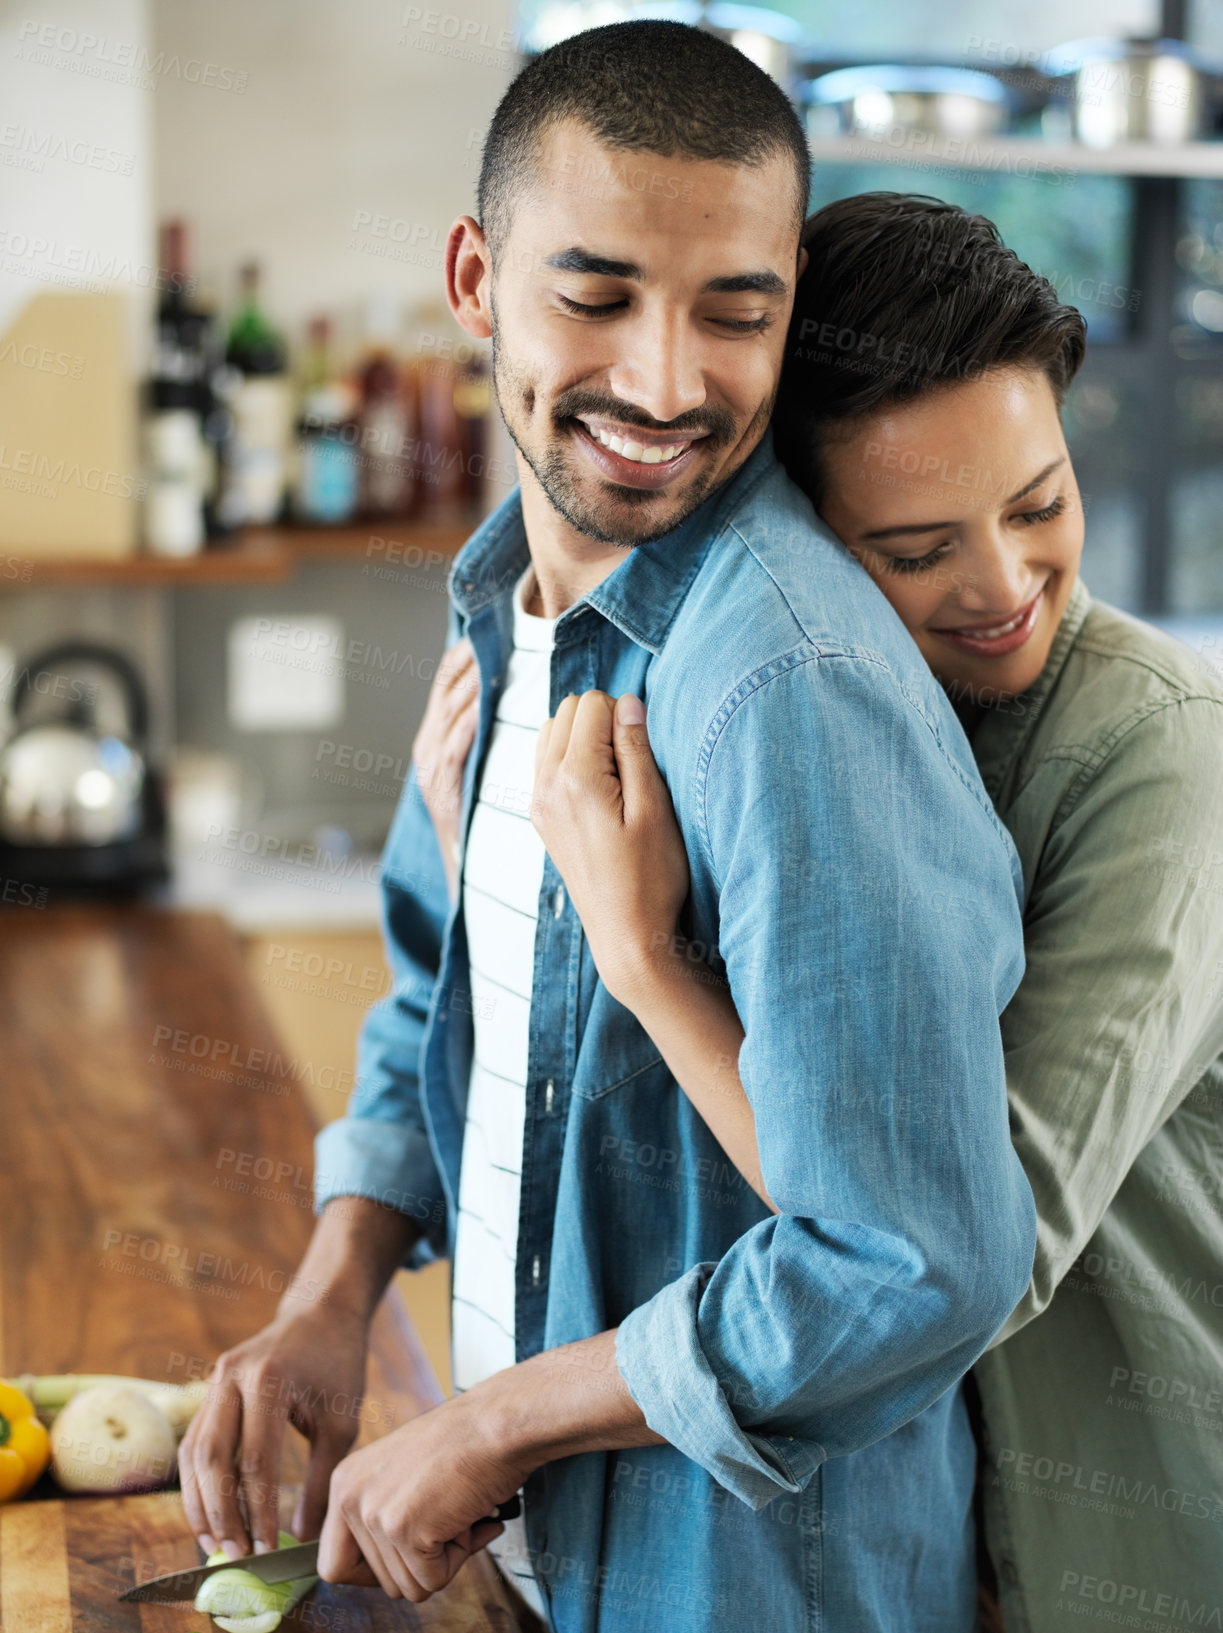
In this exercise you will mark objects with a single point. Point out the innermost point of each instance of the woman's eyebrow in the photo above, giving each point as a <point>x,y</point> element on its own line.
<point>932,527</point>
<point>912,527</point>
<point>1037,480</point>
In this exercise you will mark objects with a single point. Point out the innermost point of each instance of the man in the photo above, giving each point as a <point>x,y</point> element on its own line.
<point>709,1409</point>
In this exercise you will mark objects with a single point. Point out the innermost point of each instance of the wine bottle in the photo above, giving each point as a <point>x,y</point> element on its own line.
<point>261,405</point>
<point>177,399</point>
<point>326,479</point>
<point>387,422</point>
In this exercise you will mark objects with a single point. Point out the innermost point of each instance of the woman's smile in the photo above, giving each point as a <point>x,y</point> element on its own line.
<point>999,638</point>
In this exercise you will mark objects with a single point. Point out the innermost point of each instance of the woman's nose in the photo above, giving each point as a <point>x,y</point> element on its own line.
<point>996,578</point>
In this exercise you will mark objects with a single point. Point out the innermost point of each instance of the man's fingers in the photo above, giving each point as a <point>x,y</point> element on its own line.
<point>339,1556</point>
<point>394,1578</point>
<point>214,1452</point>
<point>193,1506</point>
<point>264,1436</point>
<point>484,1533</point>
<point>325,1453</point>
<point>434,1568</point>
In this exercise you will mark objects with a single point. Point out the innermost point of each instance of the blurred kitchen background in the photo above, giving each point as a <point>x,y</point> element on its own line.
<point>241,438</point>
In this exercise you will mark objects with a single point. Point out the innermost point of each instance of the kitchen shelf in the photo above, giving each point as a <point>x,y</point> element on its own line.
<point>259,556</point>
<point>1019,154</point>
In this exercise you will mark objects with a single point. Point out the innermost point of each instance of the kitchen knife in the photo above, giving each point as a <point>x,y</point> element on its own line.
<point>280,1565</point>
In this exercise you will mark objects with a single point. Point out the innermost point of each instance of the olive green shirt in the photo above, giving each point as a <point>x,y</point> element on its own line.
<point>1103,1396</point>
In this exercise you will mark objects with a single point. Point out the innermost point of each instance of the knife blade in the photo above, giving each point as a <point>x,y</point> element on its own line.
<point>279,1565</point>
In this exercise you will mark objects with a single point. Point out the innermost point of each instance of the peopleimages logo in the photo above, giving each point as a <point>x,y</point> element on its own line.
<point>98,56</point>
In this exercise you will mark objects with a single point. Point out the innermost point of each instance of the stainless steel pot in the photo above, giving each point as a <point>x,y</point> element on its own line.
<point>873,101</point>
<point>1133,91</point>
<point>768,37</point>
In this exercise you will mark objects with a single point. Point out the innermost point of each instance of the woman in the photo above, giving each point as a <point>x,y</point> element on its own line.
<point>920,411</point>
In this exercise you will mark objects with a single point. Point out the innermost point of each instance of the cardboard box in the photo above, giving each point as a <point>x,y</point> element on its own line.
<point>71,483</point>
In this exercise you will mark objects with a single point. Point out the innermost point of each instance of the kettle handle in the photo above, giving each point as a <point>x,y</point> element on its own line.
<point>94,652</point>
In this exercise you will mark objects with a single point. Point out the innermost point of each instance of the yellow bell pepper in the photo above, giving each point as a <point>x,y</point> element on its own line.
<point>25,1447</point>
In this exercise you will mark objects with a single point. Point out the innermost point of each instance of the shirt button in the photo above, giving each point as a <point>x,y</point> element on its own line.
<point>549,1093</point>
<point>558,901</point>
<point>535,1271</point>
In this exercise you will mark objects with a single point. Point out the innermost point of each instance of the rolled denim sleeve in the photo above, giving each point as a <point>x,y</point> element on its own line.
<point>380,1149</point>
<point>870,928</point>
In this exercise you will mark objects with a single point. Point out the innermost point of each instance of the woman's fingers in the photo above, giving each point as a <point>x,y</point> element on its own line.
<point>452,698</point>
<point>644,788</point>
<point>554,737</point>
<point>590,758</point>
<point>454,664</point>
<point>455,684</point>
<point>463,730</point>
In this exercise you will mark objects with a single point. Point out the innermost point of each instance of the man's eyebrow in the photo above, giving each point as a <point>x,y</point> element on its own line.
<point>598,266</point>
<point>933,527</point>
<point>747,283</point>
<point>574,259</point>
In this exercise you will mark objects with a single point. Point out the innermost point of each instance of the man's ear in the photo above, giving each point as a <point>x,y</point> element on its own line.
<point>469,277</point>
<point>803,258</point>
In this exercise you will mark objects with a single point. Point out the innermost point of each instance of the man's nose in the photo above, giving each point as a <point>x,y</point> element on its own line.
<point>659,366</point>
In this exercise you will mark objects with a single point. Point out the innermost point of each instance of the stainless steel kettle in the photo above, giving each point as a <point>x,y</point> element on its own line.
<point>66,777</point>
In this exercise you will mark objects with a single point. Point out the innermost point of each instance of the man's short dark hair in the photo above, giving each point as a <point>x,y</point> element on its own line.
<point>651,87</point>
<point>903,295</point>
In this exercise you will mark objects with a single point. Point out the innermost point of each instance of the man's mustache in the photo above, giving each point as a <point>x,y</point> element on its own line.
<point>714,422</point>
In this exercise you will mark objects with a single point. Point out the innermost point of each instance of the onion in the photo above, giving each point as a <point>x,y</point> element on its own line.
<point>239,1602</point>
<point>112,1439</point>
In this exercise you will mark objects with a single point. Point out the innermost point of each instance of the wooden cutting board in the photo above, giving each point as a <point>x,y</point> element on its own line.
<point>136,1059</point>
<point>63,1563</point>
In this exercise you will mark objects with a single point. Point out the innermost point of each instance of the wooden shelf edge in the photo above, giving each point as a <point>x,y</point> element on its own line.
<point>259,556</point>
<point>1203,159</point>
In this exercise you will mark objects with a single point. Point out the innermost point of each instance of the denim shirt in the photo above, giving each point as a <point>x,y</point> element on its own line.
<point>851,883</point>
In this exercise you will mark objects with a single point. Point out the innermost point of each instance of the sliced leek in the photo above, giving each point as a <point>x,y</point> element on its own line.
<point>52,1392</point>
<point>240,1603</point>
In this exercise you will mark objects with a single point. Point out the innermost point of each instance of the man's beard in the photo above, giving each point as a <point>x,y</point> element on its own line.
<point>552,469</point>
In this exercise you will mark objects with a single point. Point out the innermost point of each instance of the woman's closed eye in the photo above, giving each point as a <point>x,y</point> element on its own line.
<point>911,564</point>
<point>1026,518</point>
<point>1055,508</point>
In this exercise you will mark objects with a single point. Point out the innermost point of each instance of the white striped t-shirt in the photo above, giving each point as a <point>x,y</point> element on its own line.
<point>502,873</point>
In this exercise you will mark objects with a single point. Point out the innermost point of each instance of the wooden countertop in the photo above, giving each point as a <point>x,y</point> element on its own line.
<point>140,1076</point>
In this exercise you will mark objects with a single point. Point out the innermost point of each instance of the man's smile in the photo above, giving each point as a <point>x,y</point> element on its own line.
<point>632,456</point>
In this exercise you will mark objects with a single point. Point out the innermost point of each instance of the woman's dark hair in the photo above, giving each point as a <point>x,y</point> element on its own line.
<point>902,295</point>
